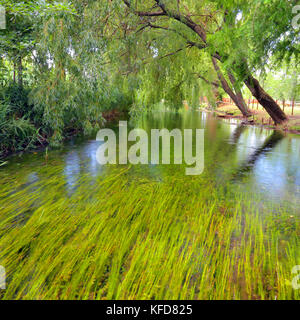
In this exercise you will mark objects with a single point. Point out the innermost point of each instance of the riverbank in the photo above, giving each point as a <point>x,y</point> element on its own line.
<point>259,117</point>
<point>109,117</point>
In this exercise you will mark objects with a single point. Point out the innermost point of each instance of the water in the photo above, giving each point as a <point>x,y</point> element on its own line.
<point>73,229</point>
<point>254,159</point>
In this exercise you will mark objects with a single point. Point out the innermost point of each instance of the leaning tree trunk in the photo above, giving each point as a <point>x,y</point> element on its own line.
<point>238,93</point>
<point>239,101</point>
<point>257,91</point>
<point>265,100</point>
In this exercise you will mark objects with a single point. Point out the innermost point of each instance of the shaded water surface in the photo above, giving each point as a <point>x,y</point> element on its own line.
<point>254,159</point>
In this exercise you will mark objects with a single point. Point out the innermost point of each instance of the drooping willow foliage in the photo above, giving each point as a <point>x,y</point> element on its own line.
<point>174,64</point>
<point>67,61</point>
<point>70,60</point>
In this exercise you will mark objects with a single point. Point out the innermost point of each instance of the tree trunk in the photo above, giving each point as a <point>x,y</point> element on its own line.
<point>266,100</point>
<point>257,91</point>
<point>20,71</point>
<point>239,94</point>
<point>240,104</point>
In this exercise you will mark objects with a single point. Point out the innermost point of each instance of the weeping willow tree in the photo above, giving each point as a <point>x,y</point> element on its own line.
<point>175,78</point>
<point>160,70</point>
<point>238,36</point>
<point>69,58</point>
<point>19,124</point>
<point>71,54</point>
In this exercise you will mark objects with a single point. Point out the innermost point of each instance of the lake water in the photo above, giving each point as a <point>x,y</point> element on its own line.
<point>255,159</point>
<point>68,212</point>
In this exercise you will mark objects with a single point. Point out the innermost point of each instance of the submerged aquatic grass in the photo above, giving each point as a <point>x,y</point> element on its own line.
<point>131,234</point>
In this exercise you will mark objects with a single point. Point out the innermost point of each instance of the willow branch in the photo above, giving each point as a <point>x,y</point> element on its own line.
<point>214,83</point>
<point>145,13</point>
<point>185,20</point>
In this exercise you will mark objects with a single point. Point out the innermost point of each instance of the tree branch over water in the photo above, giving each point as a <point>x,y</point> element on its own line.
<point>143,13</point>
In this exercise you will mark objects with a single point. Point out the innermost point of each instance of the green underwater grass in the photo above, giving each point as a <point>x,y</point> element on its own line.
<point>131,235</point>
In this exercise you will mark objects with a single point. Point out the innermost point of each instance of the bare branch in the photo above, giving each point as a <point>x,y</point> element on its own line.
<point>214,83</point>
<point>190,43</point>
<point>173,53</point>
<point>145,13</point>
